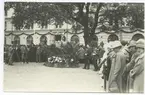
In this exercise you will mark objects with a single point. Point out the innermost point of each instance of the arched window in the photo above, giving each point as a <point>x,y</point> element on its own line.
<point>43,39</point>
<point>57,37</point>
<point>75,38</point>
<point>29,40</point>
<point>137,36</point>
<point>17,40</point>
<point>112,37</point>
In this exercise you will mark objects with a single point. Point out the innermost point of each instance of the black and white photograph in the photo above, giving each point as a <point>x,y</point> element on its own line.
<point>73,47</point>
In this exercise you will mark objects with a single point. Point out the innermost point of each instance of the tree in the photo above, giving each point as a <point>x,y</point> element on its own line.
<point>86,16</point>
<point>47,13</point>
<point>136,15</point>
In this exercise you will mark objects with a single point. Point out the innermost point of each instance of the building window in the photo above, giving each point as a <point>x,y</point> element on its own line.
<point>43,40</point>
<point>57,37</point>
<point>75,38</point>
<point>17,40</point>
<point>137,37</point>
<point>60,26</point>
<point>112,37</point>
<point>56,26</point>
<point>29,40</point>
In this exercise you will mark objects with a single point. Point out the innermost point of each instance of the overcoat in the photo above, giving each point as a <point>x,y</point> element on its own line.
<point>137,73</point>
<point>115,77</point>
<point>127,69</point>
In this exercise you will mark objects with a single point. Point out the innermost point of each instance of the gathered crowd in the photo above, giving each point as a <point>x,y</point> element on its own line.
<point>124,66</point>
<point>121,62</point>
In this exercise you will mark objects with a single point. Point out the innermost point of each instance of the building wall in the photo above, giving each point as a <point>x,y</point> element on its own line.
<point>51,38</point>
<point>9,28</point>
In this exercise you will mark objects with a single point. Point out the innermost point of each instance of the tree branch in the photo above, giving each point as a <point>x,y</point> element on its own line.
<point>96,17</point>
<point>81,7</point>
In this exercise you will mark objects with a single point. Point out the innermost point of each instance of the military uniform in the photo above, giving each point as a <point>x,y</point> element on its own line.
<point>24,54</point>
<point>95,54</point>
<point>38,54</point>
<point>126,53</point>
<point>88,58</point>
<point>137,73</point>
<point>127,69</point>
<point>10,55</point>
<point>95,58</point>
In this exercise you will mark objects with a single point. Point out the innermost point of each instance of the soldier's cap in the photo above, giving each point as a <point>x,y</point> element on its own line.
<point>132,44</point>
<point>116,44</point>
<point>140,43</point>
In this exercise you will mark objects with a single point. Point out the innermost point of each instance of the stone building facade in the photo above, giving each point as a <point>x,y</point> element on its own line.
<point>51,34</point>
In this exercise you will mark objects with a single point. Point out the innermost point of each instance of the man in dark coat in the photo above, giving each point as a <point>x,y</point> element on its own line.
<point>130,65</point>
<point>24,53</point>
<point>88,51</point>
<point>38,54</point>
<point>137,73</point>
<point>10,55</point>
<point>18,50</point>
<point>95,54</point>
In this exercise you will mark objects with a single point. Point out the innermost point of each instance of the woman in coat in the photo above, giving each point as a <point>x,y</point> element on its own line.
<point>137,73</point>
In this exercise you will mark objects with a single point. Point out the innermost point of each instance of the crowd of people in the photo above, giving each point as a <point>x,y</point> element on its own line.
<point>24,53</point>
<point>123,65</point>
<point>121,62</point>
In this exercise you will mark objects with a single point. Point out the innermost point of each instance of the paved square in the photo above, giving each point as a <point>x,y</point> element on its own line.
<point>35,77</point>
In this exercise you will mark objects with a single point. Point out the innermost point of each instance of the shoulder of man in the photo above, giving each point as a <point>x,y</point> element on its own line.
<point>140,57</point>
<point>122,54</point>
<point>125,52</point>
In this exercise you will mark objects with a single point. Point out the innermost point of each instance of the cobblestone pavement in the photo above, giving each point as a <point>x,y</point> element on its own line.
<point>35,77</point>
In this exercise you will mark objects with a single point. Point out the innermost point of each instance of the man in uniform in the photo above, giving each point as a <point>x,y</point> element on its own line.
<point>117,65</point>
<point>94,53</point>
<point>130,65</point>
<point>24,53</point>
<point>87,58</point>
<point>80,54</point>
<point>10,55</point>
<point>38,54</point>
<point>137,73</point>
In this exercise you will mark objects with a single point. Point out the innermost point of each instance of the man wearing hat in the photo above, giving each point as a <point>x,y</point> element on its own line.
<point>137,73</point>
<point>117,65</point>
<point>129,66</point>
